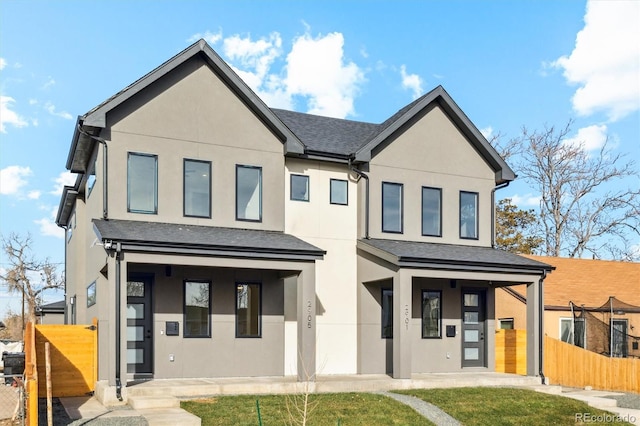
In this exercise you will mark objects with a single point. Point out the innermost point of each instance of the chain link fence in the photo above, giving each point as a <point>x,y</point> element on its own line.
<point>12,400</point>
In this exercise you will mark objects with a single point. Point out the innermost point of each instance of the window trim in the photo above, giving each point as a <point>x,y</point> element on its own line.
<point>510,319</point>
<point>185,334</point>
<point>331,180</point>
<point>477,209</point>
<point>383,290</point>
<point>155,200</point>
<point>401,231</point>
<point>291,188</point>
<point>423,291</point>
<point>439,234</point>
<point>249,336</point>
<point>184,187</point>
<point>244,166</point>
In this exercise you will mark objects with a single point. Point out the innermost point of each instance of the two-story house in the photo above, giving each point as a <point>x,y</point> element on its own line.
<point>213,236</point>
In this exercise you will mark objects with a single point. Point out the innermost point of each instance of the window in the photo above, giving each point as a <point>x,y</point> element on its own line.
<point>387,313</point>
<point>469,215</point>
<point>339,192</point>
<point>142,183</point>
<point>299,188</point>
<point>197,188</point>
<point>249,193</point>
<point>197,309</point>
<point>91,179</point>
<point>506,323</point>
<point>392,207</point>
<point>566,330</point>
<point>431,212</point>
<point>431,314</point>
<point>579,332</point>
<point>248,310</point>
<point>91,294</point>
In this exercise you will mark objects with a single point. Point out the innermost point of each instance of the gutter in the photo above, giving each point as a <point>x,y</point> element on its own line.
<point>105,163</point>
<point>493,211</point>
<point>361,174</point>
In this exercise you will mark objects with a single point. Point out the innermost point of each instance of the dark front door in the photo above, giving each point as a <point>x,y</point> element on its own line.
<point>139,326</point>
<point>619,338</point>
<point>474,348</point>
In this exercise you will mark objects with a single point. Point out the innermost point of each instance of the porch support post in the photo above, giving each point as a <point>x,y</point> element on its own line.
<point>307,323</point>
<point>534,327</point>
<point>402,325</point>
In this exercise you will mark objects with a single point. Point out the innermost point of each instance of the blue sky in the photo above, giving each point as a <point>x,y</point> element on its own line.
<point>507,64</point>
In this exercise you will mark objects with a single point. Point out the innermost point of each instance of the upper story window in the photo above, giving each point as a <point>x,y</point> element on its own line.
<point>431,211</point>
<point>91,179</point>
<point>392,207</point>
<point>197,188</point>
<point>299,188</point>
<point>469,215</point>
<point>142,183</point>
<point>249,193</point>
<point>339,192</point>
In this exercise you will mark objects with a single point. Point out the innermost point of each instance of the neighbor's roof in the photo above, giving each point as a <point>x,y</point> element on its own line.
<point>588,282</point>
<point>54,307</point>
<point>451,256</point>
<point>207,240</point>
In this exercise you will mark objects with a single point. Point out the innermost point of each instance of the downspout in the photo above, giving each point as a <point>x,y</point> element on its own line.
<point>105,163</point>
<point>541,325</point>
<point>361,174</point>
<point>493,211</point>
<point>118,381</point>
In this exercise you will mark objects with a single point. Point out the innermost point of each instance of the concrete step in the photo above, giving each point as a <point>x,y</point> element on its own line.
<point>170,416</point>
<point>151,402</point>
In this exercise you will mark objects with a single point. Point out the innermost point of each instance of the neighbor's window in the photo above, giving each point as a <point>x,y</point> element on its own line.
<point>387,313</point>
<point>339,192</point>
<point>431,314</point>
<point>469,215</point>
<point>299,188</point>
<point>431,211</point>
<point>506,323</point>
<point>249,193</point>
<point>197,309</point>
<point>142,183</point>
<point>248,310</point>
<point>392,207</point>
<point>197,188</point>
<point>566,330</point>
<point>91,294</point>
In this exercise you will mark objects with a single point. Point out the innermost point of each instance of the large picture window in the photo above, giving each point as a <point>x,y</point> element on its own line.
<point>469,215</point>
<point>431,212</point>
<point>431,314</point>
<point>142,183</point>
<point>248,310</point>
<point>387,313</point>
<point>300,188</point>
<point>249,193</point>
<point>197,188</point>
<point>197,309</point>
<point>392,207</point>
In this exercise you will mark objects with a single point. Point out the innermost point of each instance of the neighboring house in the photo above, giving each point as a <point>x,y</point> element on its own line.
<point>51,313</point>
<point>586,302</point>
<point>212,236</point>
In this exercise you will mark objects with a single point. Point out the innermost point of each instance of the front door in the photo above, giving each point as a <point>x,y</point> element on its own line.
<point>139,326</point>
<point>474,348</point>
<point>619,338</point>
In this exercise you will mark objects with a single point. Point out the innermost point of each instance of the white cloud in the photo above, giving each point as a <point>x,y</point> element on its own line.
<point>527,200</point>
<point>12,179</point>
<point>48,226</point>
<point>487,132</point>
<point>7,116</point>
<point>412,82</point>
<point>64,179</point>
<point>51,109</point>
<point>208,36</point>
<point>34,195</point>
<point>605,62</point>
<point>589,138</point>
<point>49,83</point>
<point>3,64</point>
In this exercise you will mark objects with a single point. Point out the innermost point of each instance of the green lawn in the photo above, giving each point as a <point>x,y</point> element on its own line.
<point>471,406</point>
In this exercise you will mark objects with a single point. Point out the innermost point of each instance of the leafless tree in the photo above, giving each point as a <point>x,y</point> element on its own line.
<point>27,276</point>
<point>590,200</point>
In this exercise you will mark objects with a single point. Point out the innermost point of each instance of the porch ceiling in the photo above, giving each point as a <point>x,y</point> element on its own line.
<point>414,254</point>
<point>173,238</point>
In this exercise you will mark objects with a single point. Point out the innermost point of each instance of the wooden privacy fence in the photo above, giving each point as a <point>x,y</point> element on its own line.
<point>30,376</point>
<point>566,364</point>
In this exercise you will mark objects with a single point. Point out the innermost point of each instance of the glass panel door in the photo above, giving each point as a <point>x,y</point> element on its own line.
<point>474,348</point>
<point>139,326</point>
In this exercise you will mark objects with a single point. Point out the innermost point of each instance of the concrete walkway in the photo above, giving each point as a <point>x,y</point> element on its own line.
<point>429,411</point>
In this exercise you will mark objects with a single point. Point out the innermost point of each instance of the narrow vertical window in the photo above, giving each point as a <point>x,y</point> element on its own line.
<point>197,309</point>
<point>431,314</point>
<point>142,183</point>
<point>387,313</point>
<point>392,207</point>
<point>431,212</point>
<point>339,192</point>
<point>91,179</point>
<point>249,193</point>
<point>469,215</point>
<point>248,310</point>
<point>197,188</point>
<point>299,188</point>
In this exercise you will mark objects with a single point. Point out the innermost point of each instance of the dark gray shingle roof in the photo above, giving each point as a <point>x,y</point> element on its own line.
<point>203,237</point>
<point>52,307</point>
<point>421,252</point>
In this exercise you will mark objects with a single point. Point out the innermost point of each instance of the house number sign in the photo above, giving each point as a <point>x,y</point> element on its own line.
<point>308,313</point>
<point>406,317</point>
